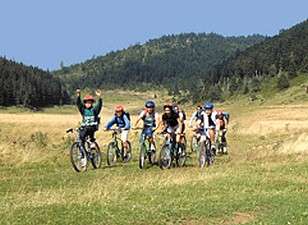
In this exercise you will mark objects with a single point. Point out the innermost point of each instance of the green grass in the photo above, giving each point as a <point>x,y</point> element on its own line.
<point>255,184</point>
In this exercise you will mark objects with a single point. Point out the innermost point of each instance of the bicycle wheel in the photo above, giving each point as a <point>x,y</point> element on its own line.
<point>78,154</point>
<point>209,155</point>
<point>151,154</point>
<point>112,154</point>
<point>165,157</point>
<point>126,158</point>
<point>142,156</point>
<point>202,155</point>
<point>181,155</point>
<point>96,156</point>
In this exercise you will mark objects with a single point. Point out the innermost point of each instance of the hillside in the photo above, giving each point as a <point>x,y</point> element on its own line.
<point>162,61</point>
<point>282,56</point>
<point>29,86</point>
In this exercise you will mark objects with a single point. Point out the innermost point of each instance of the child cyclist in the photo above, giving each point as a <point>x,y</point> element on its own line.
<point>150,120</point>
<point>90,117</point>
<point>122,120</point>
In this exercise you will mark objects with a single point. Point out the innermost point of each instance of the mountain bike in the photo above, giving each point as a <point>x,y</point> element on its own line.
<point>206,155</point>
<point>147,149</point>
<point>195,140</point>
<point>169,152</point>
<point>80,155</point>
<point>116,151</point>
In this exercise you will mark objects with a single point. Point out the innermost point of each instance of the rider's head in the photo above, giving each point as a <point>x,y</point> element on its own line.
<point>119,109</point>
<point>168,109</point>
<point>175,107</point>
<point>220,114</point>
<point>150,106</point>
<point>199,107</point>
<point>88,101</point>
<point>208,106</point>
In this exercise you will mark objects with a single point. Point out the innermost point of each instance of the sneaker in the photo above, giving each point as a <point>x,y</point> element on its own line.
<point>83,162</point>
<point>93,145</point>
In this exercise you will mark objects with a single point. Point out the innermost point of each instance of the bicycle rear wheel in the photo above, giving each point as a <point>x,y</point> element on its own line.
<point>126,158</point>
<point>96,156</point>
<point>112,154</point>
<point>77,154</point>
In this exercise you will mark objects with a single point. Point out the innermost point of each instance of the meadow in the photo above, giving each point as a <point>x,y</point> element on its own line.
<point>263,180</point>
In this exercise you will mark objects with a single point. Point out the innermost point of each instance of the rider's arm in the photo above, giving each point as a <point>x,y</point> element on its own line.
<point>79,104</point>
<point>127,123</point>
<point>226,123</point>
<point>111,123</point>
<point>139,118</point>
<point>180,123</point>
<point>98,106</point>
<point>157,121</point>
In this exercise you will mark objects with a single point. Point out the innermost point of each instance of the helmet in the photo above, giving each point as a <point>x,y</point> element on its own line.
<point>119,108</point>
<point>149,104</point>
<point>88,98</point>
<point>208,105</point>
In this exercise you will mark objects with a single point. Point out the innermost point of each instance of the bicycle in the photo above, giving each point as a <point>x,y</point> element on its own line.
<point>115,149</point>
<point>146,149</point>
<point>206,155</point>
<point>169,153</point>
<point>195,140</point>
<point>91,151</point>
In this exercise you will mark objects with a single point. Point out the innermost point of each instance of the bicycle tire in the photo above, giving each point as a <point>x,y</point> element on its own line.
<point>76,155</point>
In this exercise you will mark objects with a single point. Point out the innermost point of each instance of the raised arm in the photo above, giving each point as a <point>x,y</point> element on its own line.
<point>98,106</point>
<point>78,102</point>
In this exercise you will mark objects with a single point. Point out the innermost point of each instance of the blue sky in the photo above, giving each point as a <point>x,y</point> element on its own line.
<point>45,32</point>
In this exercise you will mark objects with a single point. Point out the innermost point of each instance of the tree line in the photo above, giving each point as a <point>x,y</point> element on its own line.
<point>29,86</point>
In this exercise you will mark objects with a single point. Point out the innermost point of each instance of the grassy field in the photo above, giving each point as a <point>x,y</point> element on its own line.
<point>264,179</point>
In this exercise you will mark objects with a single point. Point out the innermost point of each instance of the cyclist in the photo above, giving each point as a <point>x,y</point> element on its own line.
<point>182,117</point>
<point>197,116</point>
<point>122,120</point>
<point>150,120</point>
<point>209,124</point>
<point>172,123</point>
<point>90,118</point>
<point>222,124</point>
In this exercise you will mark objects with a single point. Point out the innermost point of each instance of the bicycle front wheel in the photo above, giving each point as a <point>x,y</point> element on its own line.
<point>142,156</point>
<point>78,158</point>
<point>181,155</point>
<point>165,158</point>
<point>202,155</point>
<point>112,154</point>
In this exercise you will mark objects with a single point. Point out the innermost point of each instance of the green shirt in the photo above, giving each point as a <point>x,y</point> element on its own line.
<point>90,115</point>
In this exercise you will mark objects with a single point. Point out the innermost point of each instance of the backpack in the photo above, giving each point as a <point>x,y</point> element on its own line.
<point>227,116</point>
<point>127,114</point>
<point>124,113</point>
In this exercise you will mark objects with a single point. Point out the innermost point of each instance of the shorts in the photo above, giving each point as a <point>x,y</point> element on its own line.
<point>124,135</point>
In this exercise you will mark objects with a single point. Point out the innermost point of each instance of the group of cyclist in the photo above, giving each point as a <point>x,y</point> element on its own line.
<point>205,121</point>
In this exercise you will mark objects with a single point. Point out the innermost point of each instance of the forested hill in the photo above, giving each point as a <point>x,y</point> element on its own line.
<point>284,55</point>
<point>162,61</point>
<point>29,86</point>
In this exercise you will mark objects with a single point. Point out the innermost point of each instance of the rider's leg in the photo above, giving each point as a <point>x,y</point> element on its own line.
<point>124,138</point>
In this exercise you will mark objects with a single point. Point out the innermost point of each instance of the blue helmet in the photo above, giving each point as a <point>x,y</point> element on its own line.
<point>208,105</point>
<point>150,104</point>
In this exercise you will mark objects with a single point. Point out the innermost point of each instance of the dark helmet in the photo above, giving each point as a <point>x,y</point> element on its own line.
<point>208,105</point>
<point>168,106</point>
<point>150,104</point>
